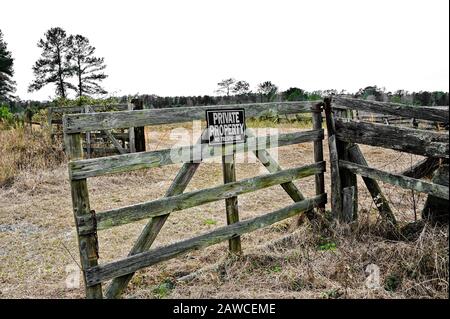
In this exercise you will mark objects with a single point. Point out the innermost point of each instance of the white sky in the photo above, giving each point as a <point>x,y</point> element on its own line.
<point>185,47</point>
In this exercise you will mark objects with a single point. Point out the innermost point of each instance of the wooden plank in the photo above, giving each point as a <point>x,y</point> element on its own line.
<point>88,136</point>
<point>131,264</point>
<point>231,203</point>
<point>153,227</point>
<point>348,206</point>
<point>380,201</point>
<point>117,135</point>
<point>336,187</point>
<point>139,132</point>
<point>68,109</point>
<point>420,142</point>
<point>128,214</point>
<point>123,119</point>
<point>87,243</point>
<point>95,108</point>
<point>435,113</point>
<point>399,180</point>
<point>131,136</point>
<point>103,150</point>
<point>127,162</point>
<point>318,149</point>
<point>49,122</point>
<point>348,179</point>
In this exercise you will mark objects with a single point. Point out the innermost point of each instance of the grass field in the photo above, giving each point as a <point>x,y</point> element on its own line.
<point>38,242</point>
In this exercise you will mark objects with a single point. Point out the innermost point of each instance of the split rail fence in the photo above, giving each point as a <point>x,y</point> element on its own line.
<point>88,222</point>
<point>347,160</point>
<point>101,142</point>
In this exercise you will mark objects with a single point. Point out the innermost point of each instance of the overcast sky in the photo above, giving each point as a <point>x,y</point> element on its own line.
<point>185,47</point>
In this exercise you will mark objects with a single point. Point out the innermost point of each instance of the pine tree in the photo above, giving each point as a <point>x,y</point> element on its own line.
<point>225,86</point>
<point>7,85</point>
<point>241,87</point>
<point>268,89</point>
<point>53,66</point>
<point>86,67</point>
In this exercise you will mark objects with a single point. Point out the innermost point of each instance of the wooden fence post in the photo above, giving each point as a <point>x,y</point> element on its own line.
<point>88,244</point>
<point>348,179</point>
<point>348,203</point>
<point>231,204</point>
<point>139,132</point>
<point>318,151</point>
<point>131,140</point>
<point>50,122</point>
<point>88,135</point>
<point>336,188</point>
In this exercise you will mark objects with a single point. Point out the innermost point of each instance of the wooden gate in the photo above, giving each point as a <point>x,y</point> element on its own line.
<point>88,222</point>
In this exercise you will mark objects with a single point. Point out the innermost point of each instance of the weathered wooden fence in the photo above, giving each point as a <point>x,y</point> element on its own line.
<point>101,142</point>
<point>385,113</point>
<point>347,160</point>
<point>88,222</point>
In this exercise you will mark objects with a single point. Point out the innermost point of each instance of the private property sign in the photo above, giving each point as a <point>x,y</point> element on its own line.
<point>226,126</point>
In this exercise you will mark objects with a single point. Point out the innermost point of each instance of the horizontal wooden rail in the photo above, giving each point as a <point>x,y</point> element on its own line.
<point>193,153</point>
<point>80,109</point>
<point>166,205</point>
<point>420,142</point>
<point>75,123</point>
<point>399,180</point>
<point>432,113</point>
<point>133,263</point>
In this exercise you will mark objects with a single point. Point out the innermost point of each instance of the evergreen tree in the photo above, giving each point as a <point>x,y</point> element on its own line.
<point>7,85</point>
<point>268,89</point>
<point>225,86</point>
<point>53,66</point>
<point>241,87</point>
<point>295,94</point>
<point>86,67</point>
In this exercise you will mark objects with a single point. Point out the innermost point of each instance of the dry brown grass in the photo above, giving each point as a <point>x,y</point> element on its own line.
<point>24,150</point>
<point>281,261</point>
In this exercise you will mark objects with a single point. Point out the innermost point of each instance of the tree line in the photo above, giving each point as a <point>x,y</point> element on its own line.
<point>231,93</point>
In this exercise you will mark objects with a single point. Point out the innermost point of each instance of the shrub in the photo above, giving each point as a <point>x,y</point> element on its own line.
<point>5,115</point>
<point>22,150</point>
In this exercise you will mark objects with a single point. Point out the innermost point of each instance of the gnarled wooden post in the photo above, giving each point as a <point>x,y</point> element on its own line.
<point>231,204</point>
<point>348,179</point>
<point>88,244</point>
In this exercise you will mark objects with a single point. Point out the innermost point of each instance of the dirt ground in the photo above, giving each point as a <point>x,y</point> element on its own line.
<point>38,244</point>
